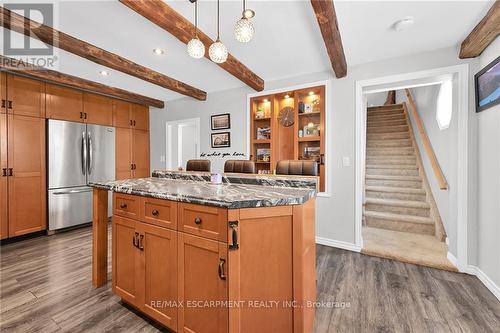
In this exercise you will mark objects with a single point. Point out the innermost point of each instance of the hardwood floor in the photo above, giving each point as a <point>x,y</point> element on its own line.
<point>46,287</point>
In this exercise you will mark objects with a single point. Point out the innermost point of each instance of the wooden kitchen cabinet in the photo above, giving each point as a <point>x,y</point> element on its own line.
<point>202,278</point>
<point>64,103</point>
<point>140,154</point>
<point>97,109</point>
<point>157,273</point>
<point>125,259</point>
<point>25,96</point>
<point>130,115</point>
<point>26,170</point>
<point>4,224</point>
<point>132,153</point>
<point>3,92</point>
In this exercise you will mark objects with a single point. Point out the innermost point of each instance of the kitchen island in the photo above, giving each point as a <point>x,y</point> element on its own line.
<point>199,257</point>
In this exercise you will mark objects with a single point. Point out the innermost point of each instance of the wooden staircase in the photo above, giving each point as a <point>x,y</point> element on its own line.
<point>397,194</point>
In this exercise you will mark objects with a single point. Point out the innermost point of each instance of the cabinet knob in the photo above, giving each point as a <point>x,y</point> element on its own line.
<point>197,221</point>
<point>155,212</point>
<point>123,205</point>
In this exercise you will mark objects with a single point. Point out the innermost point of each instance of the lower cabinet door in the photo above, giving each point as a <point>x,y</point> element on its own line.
<point>123,153</point>
<point>202,285</point>
<point>125,260</point>
<point>157,279</point>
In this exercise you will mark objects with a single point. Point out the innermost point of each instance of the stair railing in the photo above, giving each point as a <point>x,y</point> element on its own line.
<point>438,172</point>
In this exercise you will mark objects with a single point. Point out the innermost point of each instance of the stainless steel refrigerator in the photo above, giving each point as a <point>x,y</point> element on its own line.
<point>77,154</point>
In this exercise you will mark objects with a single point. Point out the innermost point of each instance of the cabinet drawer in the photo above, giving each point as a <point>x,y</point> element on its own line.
<point>162,213</point>
<point>126,205</point>
<point>203,221</point>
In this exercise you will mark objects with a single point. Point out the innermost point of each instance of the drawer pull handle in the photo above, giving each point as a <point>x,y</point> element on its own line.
<point>234,225</point>
<point>155,213</point>
<point>141,245</point>
<point>222,276</point>
<point>123,205</point>
<point>197,221</point>
<point>135,240</point>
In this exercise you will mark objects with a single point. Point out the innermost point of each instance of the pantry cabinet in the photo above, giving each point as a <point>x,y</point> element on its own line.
<point>132,153</point>
<point>25,96</point>
<point>130,115</point>
<point>64,103</point>
<point>97,109</point>
<point>4,223</point>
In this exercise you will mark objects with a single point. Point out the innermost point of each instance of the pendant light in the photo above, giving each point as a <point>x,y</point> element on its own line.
<point>195,47</point>
<point>218,51</point>
<point>243,29</point>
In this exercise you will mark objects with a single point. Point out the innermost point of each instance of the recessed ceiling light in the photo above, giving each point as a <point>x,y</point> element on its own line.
<point>158,51</point>
<point>311,93</point>
<point>104,73</point>
<point>403,24</point>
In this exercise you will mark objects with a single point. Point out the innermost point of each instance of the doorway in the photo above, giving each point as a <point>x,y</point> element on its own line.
<point>182,142</point>
<point>374,170</point>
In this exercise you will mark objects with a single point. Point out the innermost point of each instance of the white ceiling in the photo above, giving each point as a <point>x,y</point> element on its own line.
<point>287,41</point>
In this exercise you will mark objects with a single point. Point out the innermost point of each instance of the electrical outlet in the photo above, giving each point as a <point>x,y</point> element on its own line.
<point>346,161</point>
<point>162,158</point>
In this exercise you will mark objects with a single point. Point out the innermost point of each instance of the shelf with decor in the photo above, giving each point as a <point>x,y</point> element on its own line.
<point>289,125</point>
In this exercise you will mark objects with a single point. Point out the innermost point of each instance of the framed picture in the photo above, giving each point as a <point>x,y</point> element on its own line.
<point>221,140</point>
<point>487,86</point>
<point>221,121</point>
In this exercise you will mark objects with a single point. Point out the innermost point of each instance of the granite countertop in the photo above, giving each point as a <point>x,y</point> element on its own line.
<point>230,196</point>
<point>241,178</point>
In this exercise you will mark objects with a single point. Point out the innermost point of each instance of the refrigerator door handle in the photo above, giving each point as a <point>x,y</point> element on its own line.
<point>91,159</point>
<point>84,154</point>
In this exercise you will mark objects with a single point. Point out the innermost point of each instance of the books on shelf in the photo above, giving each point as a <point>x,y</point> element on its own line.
<point>263,133</point>
<point>263,155</point>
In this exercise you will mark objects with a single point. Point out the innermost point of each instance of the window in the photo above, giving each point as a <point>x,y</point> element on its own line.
<point>444,105</point>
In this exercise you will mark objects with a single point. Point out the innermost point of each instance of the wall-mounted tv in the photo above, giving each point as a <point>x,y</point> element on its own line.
<point>487,83</point>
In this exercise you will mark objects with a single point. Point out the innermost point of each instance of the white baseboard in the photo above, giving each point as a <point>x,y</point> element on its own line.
<point>452,259</point>
<point>473,270</point>
<point>338,244</point>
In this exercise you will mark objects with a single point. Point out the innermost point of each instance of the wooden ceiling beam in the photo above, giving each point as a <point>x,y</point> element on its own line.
<point>327,20</point>
<point>164,16</point>
<point>483,34</point>
<point>48,35</point>
<point>15,66</point>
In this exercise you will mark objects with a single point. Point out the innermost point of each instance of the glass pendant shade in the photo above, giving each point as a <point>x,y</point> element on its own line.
<point>196,48</point>
<point>243,30</point>
<point>248,13</point>
<point>218,52</point>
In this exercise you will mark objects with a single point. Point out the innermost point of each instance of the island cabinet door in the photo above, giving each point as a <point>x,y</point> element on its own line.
<point>123,153</point>
<point>157,282</point>
<point>261,270</point>
<point>202,285</point>
<point>125,261</point>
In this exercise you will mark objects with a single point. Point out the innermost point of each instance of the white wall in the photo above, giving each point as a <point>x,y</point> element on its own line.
<point>335,214</point>
<point>376,99</point>
<point>488,188</point>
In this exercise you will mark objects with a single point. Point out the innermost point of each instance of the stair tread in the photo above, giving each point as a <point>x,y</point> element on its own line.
<point>390,106</point>
<point>399,217</point>
<point>389,177</point>
<point>394,189</point>
<point>398,203</point>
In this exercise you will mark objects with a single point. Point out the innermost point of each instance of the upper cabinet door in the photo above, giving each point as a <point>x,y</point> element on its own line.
<point>202,277</point>
<point>98,109</point>
<point>4,226</point>
<point>158,273</point>
<point>140,117</point>
<point>122,114</point>
<point>27,188</point>
<point>25,96</point>
<point>140,154</point>
<point>3,92</point>
<point>64,103</point>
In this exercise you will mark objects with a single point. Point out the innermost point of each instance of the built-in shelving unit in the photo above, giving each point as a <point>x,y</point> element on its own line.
<point>289,125</point>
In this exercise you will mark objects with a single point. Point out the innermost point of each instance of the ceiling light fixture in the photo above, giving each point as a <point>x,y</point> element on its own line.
<point>158,51</point>
<point>403,24</point>
<point>243,29</point>
<point>195,47</point>
<point>104,73</point>
<point>218,51</point>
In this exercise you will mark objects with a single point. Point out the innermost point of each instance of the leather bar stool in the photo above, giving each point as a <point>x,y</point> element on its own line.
<point>239,166</point>
<point>297,167</point>
<point>198,165</point>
